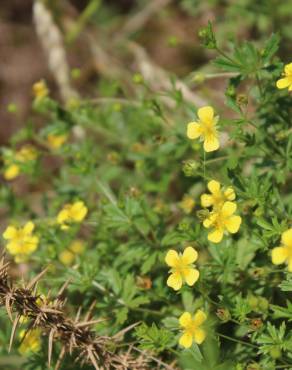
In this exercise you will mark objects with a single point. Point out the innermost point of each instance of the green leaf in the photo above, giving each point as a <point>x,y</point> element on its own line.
<point>270,48</point>
<point>147,265</point>
<point>173,238</point>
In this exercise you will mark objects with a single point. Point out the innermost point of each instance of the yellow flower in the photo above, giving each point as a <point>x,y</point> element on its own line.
<point>56,141</point>
<point>72,213</point>
<point>181,268</point>
<point>192,328</point>
<point>21,241</point>
<point>217,196</point>
<point>11,172</point>
<point>26,153</point>
<point>66,257</point>
<point>221,220</point>
<point>31,341</point>
<point>187,204</point>
<point>286,81</point>
<point>13,161</point>
<point>40,89</point>
<point>284,252</point>
<point>77,246</point>
<point>205,129</point>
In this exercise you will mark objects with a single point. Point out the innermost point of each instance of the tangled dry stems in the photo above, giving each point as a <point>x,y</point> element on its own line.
<point>75,335</point>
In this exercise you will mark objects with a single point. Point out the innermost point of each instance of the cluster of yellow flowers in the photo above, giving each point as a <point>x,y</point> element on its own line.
<point>55,141</point>
<point>40,90</point>
<point>13,162</point>
<point>182,270</point>
<point>22,242</point>
<point>68,255</point>
<point>221,218</point>
<point>72,213</point>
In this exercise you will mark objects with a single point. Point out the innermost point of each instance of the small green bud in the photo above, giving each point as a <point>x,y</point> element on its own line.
<point>256,324</point>
<point>258,272</point>
<point>281,135</point>
<point>223,314</point>
<point>263,304</point>
<point>199,78</point>
<point>253,301</point>
<point>138,78</point>
<point>184,226</point>
<point>190,167</point>
<point>75,73</point>
<point>172,41</point>
<point>230,91</point>
<point>207,37</point>
<point>258,212</point>
<point>203,214</point>
<point>242,100</point>
<point>12,108</point>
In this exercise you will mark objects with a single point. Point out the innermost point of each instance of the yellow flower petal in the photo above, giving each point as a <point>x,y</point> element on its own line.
<point>209,221</point>
<point>185,319</point>
<point>206,114</point>
<point>206,200</point>
<point>175,281</point>
<point>186,340</point>
<point>279,255</point>
<point>199,335</point>
<point>28,228</point>
<point>191,276</point>
<point>283,83</point>
<point>194,130</point>
<point>288,69</point>
<point>232,224</point>
<point>10,232</point>
<point>216,236</point>
<point>78,211</point>
<point>214,186</point>
<point>199,317</point>
<point>77,246</point>
<point>56,141</point>
<point>171,258</point>
<point>189,256</point>
<point>229,193</point>
<point>66,257</point>
<point>31,245</point>
<point>211,143</point>
<point>287,238</point>
<point>228,209</point>
<point>63,216</point>
<point>14,247</point>
<point>11,172</point>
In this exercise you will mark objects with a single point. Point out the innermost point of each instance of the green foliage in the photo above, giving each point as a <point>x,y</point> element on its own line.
<point>153,338</point>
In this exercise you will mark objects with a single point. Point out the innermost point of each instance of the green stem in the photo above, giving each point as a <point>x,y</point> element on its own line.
<point>237,340</point>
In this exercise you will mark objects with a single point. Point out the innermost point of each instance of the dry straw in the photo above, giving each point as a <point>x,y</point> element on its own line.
<point>52,42</point>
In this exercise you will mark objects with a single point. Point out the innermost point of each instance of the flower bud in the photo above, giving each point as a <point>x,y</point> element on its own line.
<point>223,314</point>
<point>190,167</point>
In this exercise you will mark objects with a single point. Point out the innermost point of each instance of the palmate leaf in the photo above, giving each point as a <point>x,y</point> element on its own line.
<point>270,48</point>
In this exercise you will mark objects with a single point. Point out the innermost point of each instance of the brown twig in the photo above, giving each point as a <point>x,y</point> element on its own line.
<point>75,335</point>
